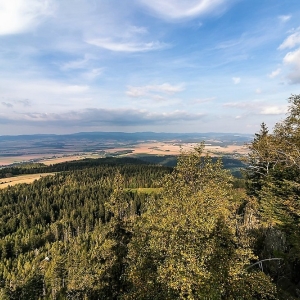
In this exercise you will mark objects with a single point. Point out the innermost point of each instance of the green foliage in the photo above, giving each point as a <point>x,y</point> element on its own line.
<point>185,244</point>
<point>274,179</point>
<point>36,168</point>
<point>126,231</point>
<point>71,219</point>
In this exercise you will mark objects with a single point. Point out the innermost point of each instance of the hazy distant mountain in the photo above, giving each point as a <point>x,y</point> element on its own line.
<point>135,136</point>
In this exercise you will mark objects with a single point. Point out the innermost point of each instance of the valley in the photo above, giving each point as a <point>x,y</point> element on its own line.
<point>52,149</point>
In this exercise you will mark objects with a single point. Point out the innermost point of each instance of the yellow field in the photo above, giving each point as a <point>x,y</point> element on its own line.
<point>45,159</point>
<point>156,148</point>
<point>28,178</point>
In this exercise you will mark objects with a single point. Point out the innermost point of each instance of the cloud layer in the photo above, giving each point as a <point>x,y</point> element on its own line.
<point>100,117</point>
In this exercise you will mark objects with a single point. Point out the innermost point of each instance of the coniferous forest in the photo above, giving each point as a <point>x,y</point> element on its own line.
<point>121,228</point>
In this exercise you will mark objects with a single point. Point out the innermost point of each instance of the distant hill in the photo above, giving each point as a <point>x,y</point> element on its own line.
<point>135,136</point>
<point>31,148</point>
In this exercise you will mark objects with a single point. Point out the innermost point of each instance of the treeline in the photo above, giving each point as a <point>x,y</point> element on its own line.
<point>232,164</point>
<point>35,168</point>
<point>77,196</point>
<point>171,161</point>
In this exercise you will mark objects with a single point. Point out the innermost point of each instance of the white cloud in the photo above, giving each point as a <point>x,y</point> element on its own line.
<point>127,46</point>
<point>236,80</point>
<point>83,65</point>
<point>133,30</point>
<point>136,92</point>
<point>148,90</point>
<point>93,73</point>
<point>76,64</point>
<point>168,88</point>
<point>258,91</point>
<point>275,73</point>
<point>240,105</point>
<point>291,41</point>
<point>284,18</point>
<point>18,16</point>
<point>292,59</point>
<point>124,38</point>
<point>204,100</point>
<point>273,110</point>
<point>178,9</point>
<point>258,107</point>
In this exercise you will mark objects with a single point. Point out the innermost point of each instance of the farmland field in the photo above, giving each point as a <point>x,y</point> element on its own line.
<point>52,149</point>
<point>28,178</point>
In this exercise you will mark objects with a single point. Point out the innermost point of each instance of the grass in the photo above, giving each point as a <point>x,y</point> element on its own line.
<point>145,190</point>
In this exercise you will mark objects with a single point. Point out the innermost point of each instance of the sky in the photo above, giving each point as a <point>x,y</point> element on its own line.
<point>138,65</point>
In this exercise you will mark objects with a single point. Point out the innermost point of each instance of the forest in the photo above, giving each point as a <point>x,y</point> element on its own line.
<point>123,228</point>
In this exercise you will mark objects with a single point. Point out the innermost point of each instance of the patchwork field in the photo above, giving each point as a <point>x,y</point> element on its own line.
<point>52,149</point>
<point>154,148</point>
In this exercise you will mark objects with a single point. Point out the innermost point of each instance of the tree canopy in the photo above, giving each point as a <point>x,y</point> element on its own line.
<point>130,230</point>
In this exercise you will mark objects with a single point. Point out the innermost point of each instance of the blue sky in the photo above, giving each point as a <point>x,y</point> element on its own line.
<point>138,65</point>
